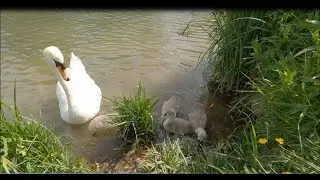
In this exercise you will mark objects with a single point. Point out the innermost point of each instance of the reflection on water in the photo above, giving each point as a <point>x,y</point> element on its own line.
<point>118,48</point>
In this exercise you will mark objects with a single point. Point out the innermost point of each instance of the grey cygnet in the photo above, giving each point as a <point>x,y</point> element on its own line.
<point>177,125</point>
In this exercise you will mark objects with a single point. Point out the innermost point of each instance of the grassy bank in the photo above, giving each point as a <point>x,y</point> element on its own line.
<point>271,61</point>
<point>29,147</point>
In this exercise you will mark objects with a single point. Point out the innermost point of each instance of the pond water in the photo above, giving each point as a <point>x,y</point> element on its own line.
<point>118,48</point>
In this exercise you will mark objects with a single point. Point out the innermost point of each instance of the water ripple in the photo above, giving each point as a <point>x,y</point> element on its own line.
<point>118,48</point>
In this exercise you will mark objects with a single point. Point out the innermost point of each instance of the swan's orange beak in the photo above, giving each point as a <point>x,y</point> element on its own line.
<point>64,74</point>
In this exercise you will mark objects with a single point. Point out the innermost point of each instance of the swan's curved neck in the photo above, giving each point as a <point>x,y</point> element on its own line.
<point>66,87</point>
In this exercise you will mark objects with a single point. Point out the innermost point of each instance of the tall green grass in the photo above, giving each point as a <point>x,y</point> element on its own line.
<point>135,119</point>
<point>241,155</point>
<point>29,147</point>
<point>284,76</point>
<point>232,33</point>
<point>271,61</point>
<point>279,66</point>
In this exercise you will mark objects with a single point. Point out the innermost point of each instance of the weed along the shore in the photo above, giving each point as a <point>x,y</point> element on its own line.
<point>29,147</point>
<point>136,118</point>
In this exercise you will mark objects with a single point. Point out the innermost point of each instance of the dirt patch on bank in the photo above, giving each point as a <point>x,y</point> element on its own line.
<point>127,163</point>
<point>220,124</point>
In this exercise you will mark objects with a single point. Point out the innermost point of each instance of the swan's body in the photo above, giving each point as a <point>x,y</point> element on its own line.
<point>174,103</point>
<point>199,119</point>
<point>177,125</point>
<point>78,96</point>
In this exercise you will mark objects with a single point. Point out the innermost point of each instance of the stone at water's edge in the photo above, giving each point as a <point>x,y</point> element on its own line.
<point>101,125</point>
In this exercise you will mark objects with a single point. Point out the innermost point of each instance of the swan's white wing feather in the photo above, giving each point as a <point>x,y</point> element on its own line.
<point>75,63</point>
<point>79,70</point>
<point>85,86</point>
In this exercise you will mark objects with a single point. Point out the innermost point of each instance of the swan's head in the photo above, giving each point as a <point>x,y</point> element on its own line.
<point>53,56</point>
<point>170,113</point>
<point>168,124</point>
<point>201,133</point>
<point>198,106</point>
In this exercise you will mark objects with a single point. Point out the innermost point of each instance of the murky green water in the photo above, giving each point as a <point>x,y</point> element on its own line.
<point>118,48</point>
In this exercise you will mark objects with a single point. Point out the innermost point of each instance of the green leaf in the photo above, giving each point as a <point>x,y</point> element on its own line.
<point>315,47</point>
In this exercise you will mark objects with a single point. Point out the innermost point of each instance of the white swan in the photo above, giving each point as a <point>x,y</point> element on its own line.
<point>78,95</point>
